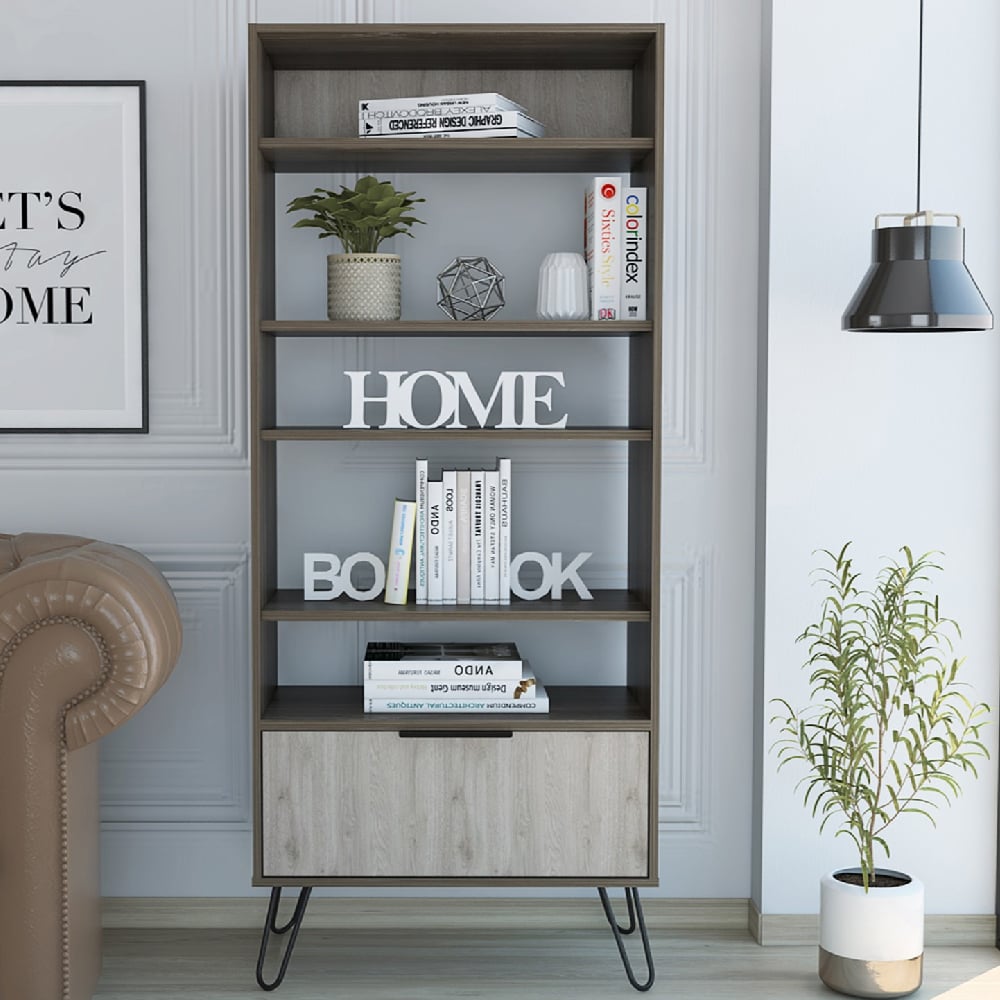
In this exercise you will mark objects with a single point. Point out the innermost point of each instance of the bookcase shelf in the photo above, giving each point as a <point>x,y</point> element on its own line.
<point>580,782</point>
<point>341,707</point>
<point>607,605</point>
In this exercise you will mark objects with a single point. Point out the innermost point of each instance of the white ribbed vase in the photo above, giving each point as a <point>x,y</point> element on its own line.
<point>562,287</point>
<point>362,286</point>
<point>871,944</point>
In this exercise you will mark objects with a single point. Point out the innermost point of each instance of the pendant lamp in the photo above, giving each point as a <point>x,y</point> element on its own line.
<point>918,281</point>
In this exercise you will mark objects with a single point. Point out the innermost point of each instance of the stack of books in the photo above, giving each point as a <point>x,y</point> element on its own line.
<point>447,116</point>
<point>614,246</point>
<point>450,677</point>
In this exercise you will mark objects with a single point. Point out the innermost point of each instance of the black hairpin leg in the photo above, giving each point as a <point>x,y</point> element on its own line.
<point>270,927</point>
<point>636,919</point>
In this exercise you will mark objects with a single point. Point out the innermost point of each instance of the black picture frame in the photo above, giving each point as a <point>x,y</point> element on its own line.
<point>73,290</point>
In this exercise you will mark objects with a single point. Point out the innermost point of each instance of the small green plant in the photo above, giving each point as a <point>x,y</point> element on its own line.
<point>889,729</point>
<point>360,217</point>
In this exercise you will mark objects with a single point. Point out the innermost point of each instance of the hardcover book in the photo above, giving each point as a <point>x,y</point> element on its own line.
<point>449,536</point>
<point>435,547</point>
<point>420,531</point>
<point>504,499</point>
<point>397,575</point>
<point>452,660</point>
<point>456,121</point>
<point>491,536</point>
<point>602,204</point>
<point>463,567</point>
<point>536,706</point>
<point>477,538</point>
<point>431,688</point>
<point>634,253</point>
<point>381,107</point>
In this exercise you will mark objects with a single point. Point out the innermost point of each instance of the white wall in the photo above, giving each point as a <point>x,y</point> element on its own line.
<point>880,439</point>
<point>176,783</point>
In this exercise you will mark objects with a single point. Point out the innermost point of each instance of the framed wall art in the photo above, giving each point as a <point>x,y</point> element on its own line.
<point>73,257</point>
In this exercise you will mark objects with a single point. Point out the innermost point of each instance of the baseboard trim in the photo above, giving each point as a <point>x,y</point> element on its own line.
<point>440,913</point>
<point>940,929</point>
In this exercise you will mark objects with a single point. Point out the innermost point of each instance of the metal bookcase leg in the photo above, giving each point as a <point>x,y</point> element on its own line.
<point>270,927</point>
<point>636,919</point>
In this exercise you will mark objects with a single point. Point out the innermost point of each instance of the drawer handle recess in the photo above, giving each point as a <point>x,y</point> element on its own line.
<point>456,734</point>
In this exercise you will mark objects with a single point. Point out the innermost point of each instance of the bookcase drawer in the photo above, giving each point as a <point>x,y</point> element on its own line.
<point>527,805</point>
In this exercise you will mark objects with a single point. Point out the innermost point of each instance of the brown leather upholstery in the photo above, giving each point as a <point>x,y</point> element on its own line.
<point>88,632</point>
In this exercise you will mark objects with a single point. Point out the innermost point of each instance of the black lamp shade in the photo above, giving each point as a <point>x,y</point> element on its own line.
<point>918,282</point>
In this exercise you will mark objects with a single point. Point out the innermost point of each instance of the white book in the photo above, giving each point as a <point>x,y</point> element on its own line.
<point>397,575</point>
<point>480,688</point>
<point>486,133</point>
<point>435,547</point>
<point>602,245</point>
<point>456,121</point>
<point>491,536</point>
<point>504,502</point>
<point>448,661</point>
<point>538,705</point>
<point>477,538</point>
<point>463,557</point>
<point>420,532</point>
<point>379,107</point>
<point>634,253</point>
<point>449,536</point>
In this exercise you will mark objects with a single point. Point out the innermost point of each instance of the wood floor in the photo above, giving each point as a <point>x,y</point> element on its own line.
<point>414,963</point>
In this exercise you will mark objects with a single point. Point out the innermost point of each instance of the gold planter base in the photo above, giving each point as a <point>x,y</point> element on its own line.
<point>858,978</point>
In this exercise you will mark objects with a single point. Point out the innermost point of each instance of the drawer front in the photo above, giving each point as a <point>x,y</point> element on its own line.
<point>534,805</point>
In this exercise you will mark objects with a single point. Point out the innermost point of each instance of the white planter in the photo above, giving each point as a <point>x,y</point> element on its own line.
<point>362,286</point>
<point>871,944</point>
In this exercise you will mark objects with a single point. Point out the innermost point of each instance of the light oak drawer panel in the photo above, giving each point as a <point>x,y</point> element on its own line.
<point>535,805</point>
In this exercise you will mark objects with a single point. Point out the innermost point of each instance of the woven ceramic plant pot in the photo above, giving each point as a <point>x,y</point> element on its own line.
<point>871,944</point>
<point>362,286</point>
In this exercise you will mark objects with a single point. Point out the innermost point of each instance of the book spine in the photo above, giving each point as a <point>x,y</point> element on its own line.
<point>435,548</point>
<point>486,133</point>
<point>634,253</point>
<point>477,538</point>
<point>537,705</point>
<point>446,670</point>
<point>488,690</point>
<point>601,245</point>
<point>449,537</point>
<point>380,106</point>
<point>397,577</point>
<point>420,532</point>
<point>504,509</point>
<point>463,558</point>
<point>458,120</point>
<point>491,536</point>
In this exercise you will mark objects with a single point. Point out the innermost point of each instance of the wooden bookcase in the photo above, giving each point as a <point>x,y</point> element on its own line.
<point>568,798</point>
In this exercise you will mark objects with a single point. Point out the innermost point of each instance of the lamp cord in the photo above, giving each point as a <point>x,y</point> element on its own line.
<point>920,99</point>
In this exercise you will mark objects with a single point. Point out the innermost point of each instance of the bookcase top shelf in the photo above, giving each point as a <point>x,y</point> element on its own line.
<point>341,707</point>
<point>454,46</point>
<point>428,155</point>
<point>456,328</point>
<point>607,605</point>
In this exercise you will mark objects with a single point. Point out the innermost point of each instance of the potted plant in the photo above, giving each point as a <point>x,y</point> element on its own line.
<point>889,731</point>
<point>362,284</point>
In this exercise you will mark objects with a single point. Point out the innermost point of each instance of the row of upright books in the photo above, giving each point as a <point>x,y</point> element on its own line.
<point>446,116</point>
<point>614,247</point>
<point>450,677</point>
<point>457,535</point>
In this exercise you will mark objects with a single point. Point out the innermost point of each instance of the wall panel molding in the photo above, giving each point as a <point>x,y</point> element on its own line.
<point>685,694</point>
<point>185,756</point>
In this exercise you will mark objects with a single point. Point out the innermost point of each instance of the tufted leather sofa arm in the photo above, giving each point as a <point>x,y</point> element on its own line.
<point>89,631</point>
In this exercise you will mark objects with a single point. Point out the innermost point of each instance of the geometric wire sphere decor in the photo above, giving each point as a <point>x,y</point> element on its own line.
<point>470,288</point>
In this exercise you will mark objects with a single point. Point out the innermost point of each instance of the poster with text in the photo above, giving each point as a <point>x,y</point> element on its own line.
<point>72,257</point>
